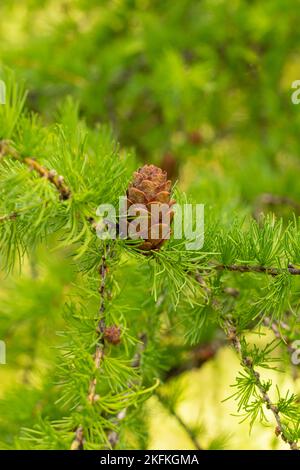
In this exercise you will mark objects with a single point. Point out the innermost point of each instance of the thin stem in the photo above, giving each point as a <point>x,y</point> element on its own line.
<point>51,175</point>
<point>15,214</point>
<point>7,150</point>
<point>244,268</point>
<point>248,365</point>
<point>113,436</point>
<point>78,443</point>
<point>99,352</point>
<point>180,421</point>
<point>11,216</point>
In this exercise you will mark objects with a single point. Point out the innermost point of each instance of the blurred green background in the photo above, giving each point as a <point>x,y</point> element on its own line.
<point>201,88</point>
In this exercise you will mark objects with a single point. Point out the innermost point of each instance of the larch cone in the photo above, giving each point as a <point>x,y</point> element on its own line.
<point>150,186</point>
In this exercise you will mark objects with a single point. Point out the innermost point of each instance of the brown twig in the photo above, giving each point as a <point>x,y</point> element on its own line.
<point>6,217</point>
<point>99,353</point>
<point>78,443</point>
<point>7,150</point>
<point>244,268</point>
<point>248,365</point>
<point>51,175</point>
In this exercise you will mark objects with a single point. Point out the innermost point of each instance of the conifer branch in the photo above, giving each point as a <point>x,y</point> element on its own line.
<point>180,421</point>
<point>99,353</point>
<point>78,443</point>
<point>113,436</point>
<point>12,216</point>
<point>98,389</point>
<point>100,330</point>
<point>51,175</point>
<point>7,150</point>
<point>247,363</point>
<point>244,268</point>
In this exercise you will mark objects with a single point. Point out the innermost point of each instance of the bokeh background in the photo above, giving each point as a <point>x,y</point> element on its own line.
<point>201,88</point>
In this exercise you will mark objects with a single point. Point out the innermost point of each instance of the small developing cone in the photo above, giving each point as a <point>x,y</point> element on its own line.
<point>112,334</point>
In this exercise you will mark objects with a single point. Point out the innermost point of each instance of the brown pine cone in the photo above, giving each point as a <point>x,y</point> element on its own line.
<point>150,186</point>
